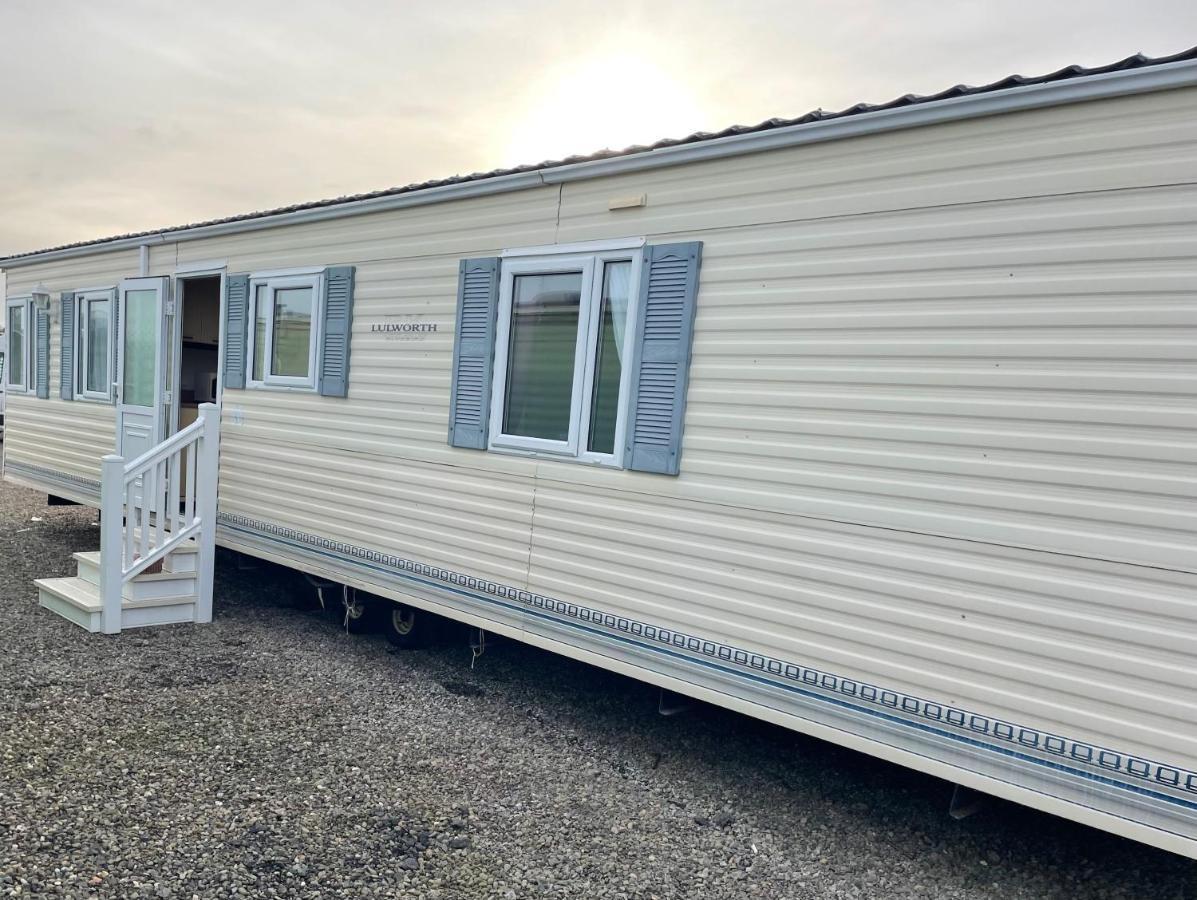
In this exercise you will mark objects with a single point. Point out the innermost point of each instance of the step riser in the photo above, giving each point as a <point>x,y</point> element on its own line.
<point>180,563</point>
<point>152,589</point>
<point>182,559</point>
<point>69,611</point>
<point>145,616</point>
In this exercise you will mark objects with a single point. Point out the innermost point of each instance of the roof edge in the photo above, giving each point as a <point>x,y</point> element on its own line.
<point>1103,85</point>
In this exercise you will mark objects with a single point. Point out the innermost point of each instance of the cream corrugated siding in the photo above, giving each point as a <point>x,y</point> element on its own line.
<point>97,270</point>
<point>1086,147</point>
<point>1063,643</point>
<point>58,435</point>
<point>467,520</point>
<point>477,225</point>
<point>1097,382</point>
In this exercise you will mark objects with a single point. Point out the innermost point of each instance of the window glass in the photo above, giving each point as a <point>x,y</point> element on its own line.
<point>608,363</point>
<point>141,352</point>
<point>259,330</point>
<point>292,338</point>
<point>16,345</point>
<point>98,314</point>
<point>540,368</point>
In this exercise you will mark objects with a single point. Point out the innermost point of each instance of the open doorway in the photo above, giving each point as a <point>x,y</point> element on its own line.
<point>199,344</point>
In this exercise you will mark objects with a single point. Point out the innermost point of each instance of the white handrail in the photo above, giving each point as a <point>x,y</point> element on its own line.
<point>148,509</point>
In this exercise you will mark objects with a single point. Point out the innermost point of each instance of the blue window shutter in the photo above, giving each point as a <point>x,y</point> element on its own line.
<point>661,360</point>
<point>473,352</point>
<point>236,315</point>
<point>338,325</point>
<point>66,358</point>
<point>42,358</point>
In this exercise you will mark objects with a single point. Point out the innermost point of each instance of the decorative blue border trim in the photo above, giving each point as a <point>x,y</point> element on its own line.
<point>1061,753</point>
<point>23,468</point>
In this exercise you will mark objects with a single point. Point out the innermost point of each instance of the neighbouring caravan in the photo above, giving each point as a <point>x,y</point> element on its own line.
<point>878,424</point>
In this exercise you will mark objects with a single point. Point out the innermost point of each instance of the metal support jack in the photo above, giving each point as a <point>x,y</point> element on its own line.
<point>321,585</point>
<point>477,645</point>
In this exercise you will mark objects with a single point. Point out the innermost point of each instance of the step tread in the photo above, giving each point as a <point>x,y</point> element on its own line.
<point>74,590</point>
<point>85,595</point>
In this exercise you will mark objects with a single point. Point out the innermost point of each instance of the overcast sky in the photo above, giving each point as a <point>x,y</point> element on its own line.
<point>124,115</point>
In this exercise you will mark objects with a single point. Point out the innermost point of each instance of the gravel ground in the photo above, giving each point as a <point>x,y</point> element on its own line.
<point>272,755</point>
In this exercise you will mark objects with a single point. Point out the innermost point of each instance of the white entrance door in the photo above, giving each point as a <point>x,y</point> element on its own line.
<point>140,422</point>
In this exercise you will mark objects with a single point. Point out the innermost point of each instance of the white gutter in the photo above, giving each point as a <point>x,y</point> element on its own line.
<point>1074,90</point>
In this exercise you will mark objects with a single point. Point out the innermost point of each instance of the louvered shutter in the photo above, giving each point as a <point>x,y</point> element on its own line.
<point>42,359</point>
<point>661,362</point>
<point>338,322</point>
<point>236,315</point>
<point>473,352</point>
<point>66,357</point>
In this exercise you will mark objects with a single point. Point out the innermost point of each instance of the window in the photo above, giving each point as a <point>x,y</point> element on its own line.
<point>560,384</point>
<point>18,328</point>
<point>97,345</point>
<point>284,318</point>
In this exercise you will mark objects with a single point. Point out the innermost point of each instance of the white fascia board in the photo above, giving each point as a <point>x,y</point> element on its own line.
<point>577,247</point>
<point>1013,99</point>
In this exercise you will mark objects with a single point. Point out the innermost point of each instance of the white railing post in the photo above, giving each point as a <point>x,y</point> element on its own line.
<point>205,501</point>
<point>112,547</point>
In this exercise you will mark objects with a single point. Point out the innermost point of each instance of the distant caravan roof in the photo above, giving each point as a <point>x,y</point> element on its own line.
<point>1024,92</point>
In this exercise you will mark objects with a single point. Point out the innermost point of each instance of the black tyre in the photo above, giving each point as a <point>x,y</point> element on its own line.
<point>406,626</point>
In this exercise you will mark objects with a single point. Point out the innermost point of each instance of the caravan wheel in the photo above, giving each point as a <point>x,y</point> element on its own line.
<point>406,626</point>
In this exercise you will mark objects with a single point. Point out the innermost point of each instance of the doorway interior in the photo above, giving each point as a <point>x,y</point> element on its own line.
<point>198,346</point>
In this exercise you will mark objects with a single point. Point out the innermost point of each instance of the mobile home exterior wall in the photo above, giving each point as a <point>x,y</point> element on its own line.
<point>938,470</point>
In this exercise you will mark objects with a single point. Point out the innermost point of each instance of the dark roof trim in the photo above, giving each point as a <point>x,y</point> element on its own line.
<point>1135,74</point>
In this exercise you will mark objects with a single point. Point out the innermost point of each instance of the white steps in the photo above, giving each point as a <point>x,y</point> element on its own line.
<point>159,598</point>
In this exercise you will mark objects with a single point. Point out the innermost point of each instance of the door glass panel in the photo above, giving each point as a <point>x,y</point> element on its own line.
<point>540,368</point>
<point>98,314</point>
<point>141,347</point>
<point>608,363</point>
<point>292,339</point>
<point>16,344</point>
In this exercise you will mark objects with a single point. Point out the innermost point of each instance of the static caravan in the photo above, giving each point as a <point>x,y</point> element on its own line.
<point>878,424</point>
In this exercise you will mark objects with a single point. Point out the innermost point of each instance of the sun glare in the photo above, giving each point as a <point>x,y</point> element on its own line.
<point>606,102</point>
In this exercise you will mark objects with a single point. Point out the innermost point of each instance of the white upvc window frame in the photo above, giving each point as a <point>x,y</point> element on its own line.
<point>590,260</point>
<point>83,344</point>
<point>25,303</point>
<point>273,282</point>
